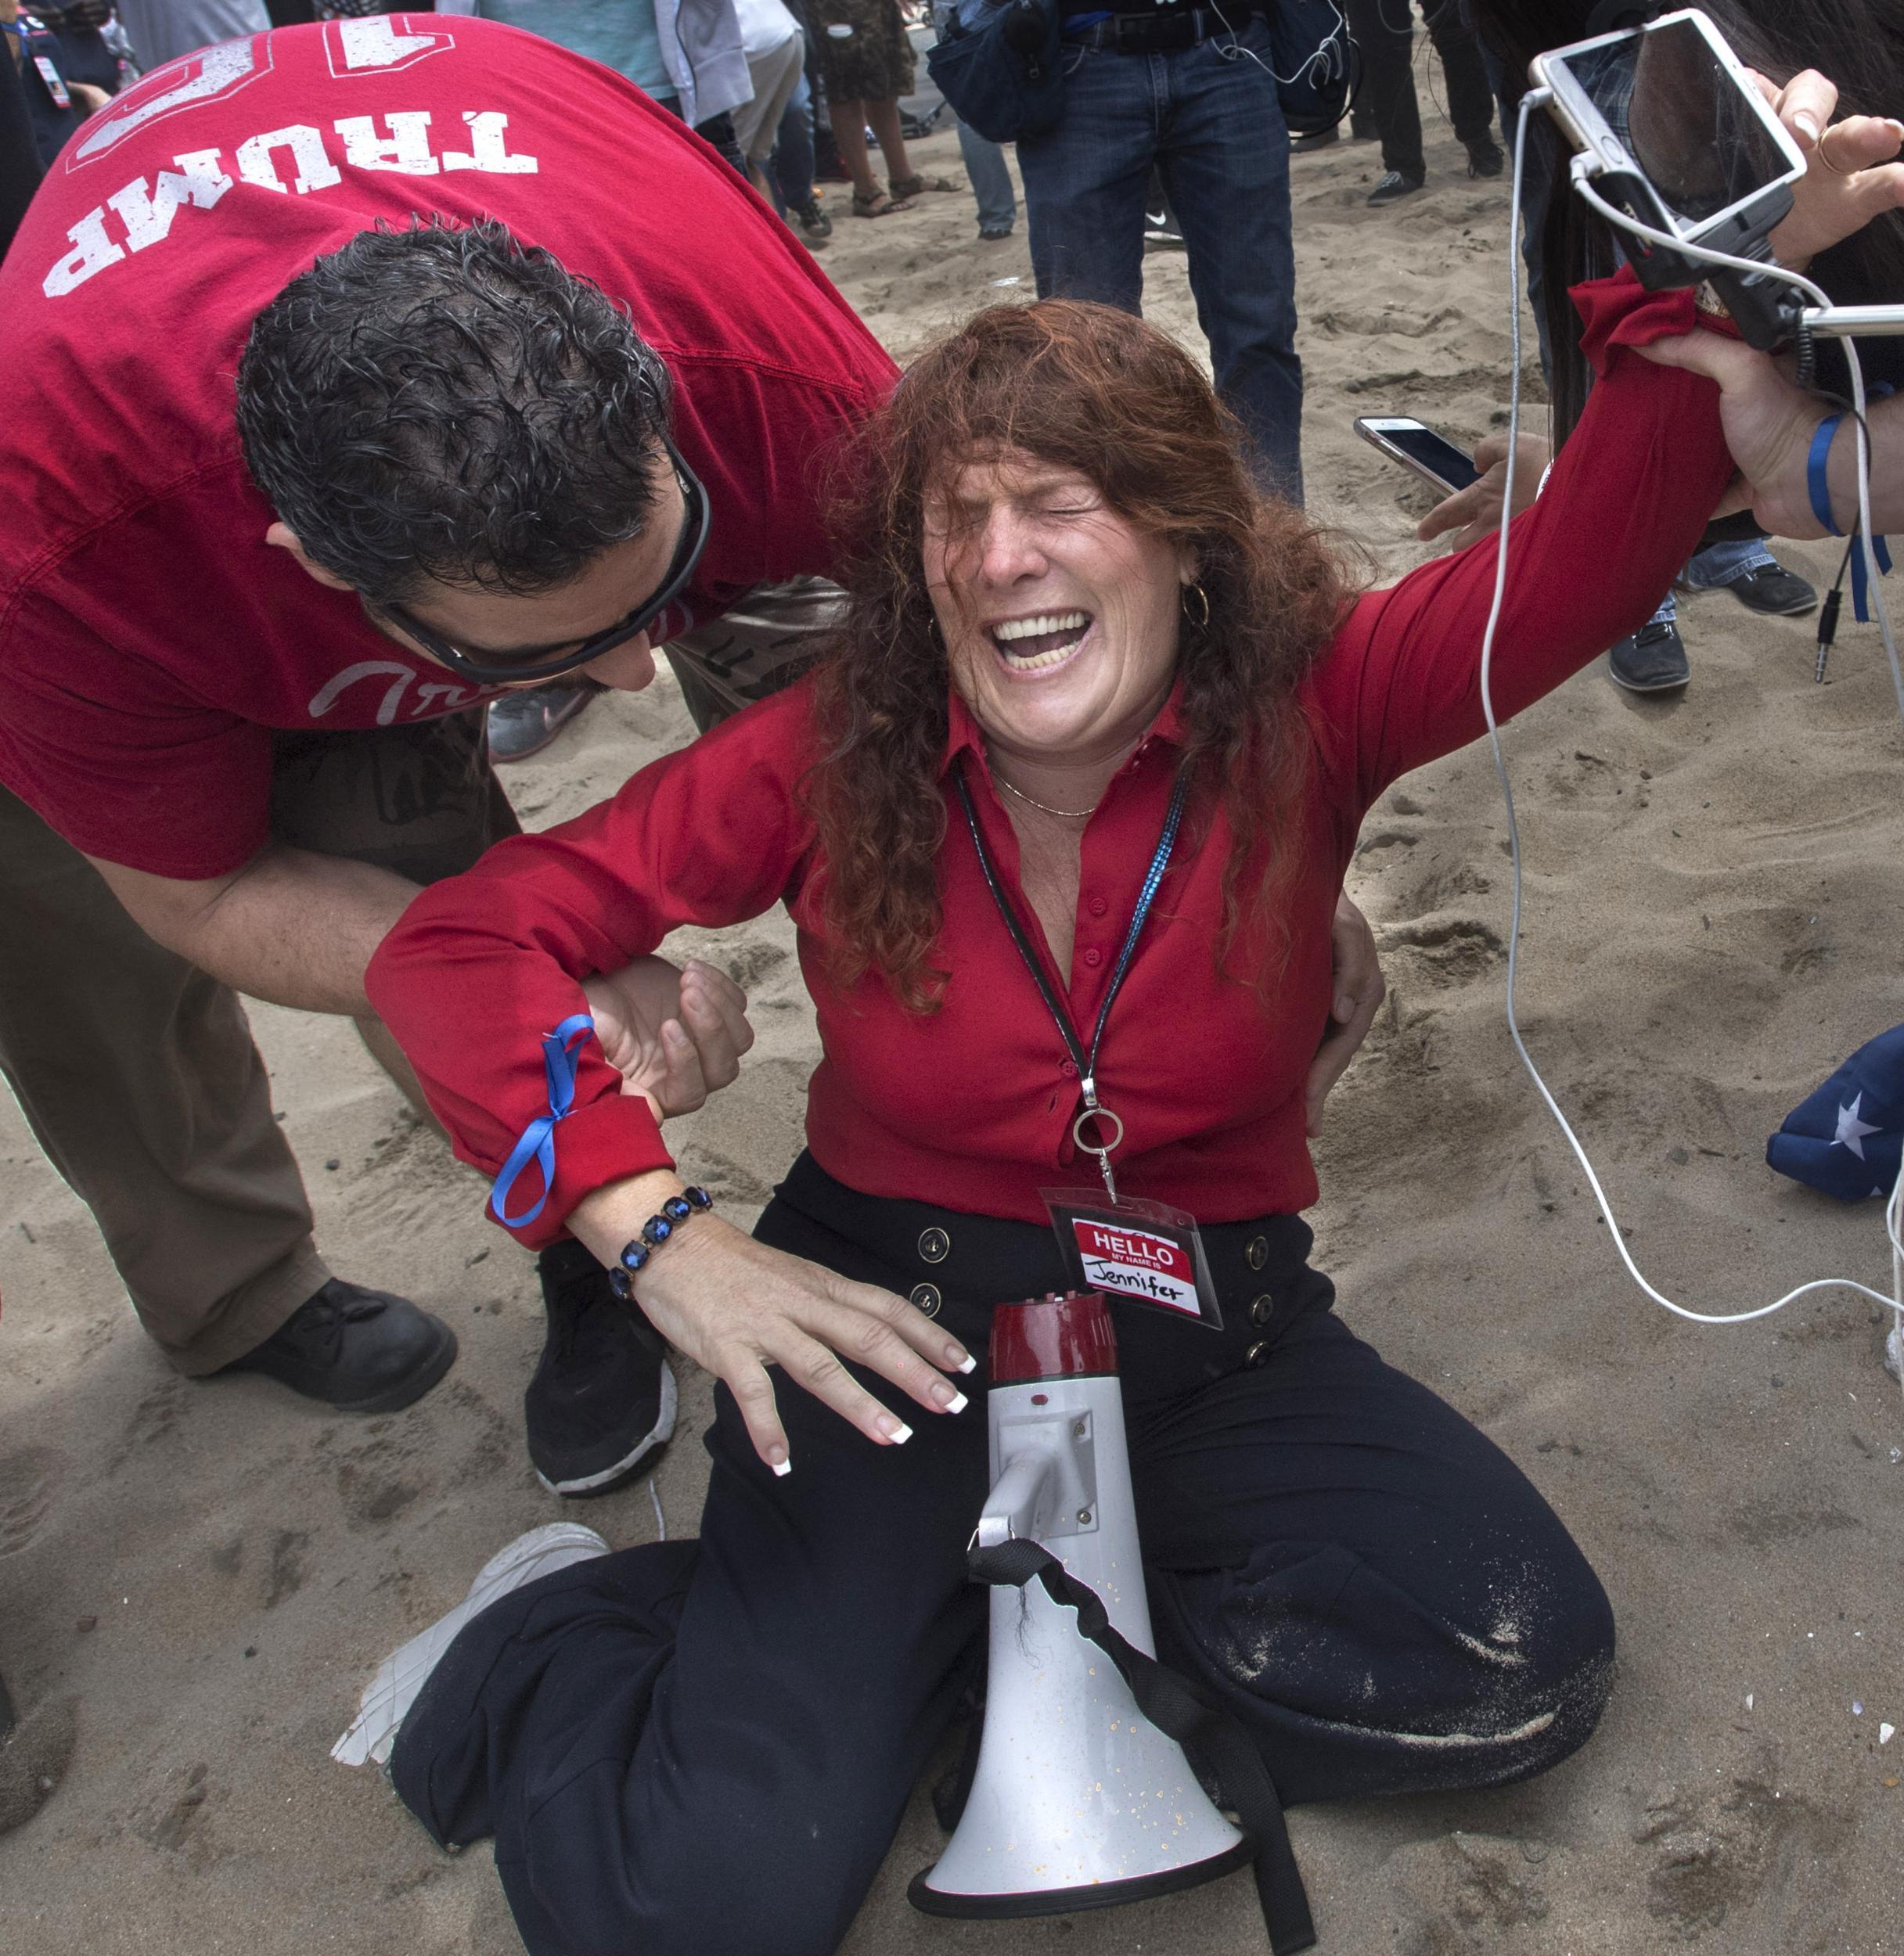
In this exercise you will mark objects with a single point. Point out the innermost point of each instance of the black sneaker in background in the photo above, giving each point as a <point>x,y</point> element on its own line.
<point>1486,158</point>
<point>1391,186</point>
<point>523,722</point>
<point>1773,591</point>
<point>603,1398</point>
<point>1652,661</point>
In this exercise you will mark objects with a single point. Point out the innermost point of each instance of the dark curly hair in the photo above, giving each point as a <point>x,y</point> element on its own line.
<point>448,403</point>
<point>1093,389</point>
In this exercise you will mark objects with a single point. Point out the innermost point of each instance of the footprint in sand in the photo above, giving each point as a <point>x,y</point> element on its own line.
<point>29,1479</point>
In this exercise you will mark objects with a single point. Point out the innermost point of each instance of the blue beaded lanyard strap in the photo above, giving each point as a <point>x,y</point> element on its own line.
<point>1086,1062</point>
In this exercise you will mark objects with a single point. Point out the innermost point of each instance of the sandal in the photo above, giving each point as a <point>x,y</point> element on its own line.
<point>878,205</point>
<point>905,187</point>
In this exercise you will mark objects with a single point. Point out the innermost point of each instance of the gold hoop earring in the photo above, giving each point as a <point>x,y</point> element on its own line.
<point>1200,616</point>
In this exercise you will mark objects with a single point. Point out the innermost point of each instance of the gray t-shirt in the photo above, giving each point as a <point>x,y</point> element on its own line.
<point>163,30</point>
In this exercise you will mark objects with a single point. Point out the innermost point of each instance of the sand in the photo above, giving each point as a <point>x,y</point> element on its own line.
<point>196,1580</point>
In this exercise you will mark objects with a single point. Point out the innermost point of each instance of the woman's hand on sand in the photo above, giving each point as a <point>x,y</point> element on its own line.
<point>1357,988</point>
<point>675,1036</point>
<point>736,1306</point>
<point>1852,177</point>
<point>1475,511</point>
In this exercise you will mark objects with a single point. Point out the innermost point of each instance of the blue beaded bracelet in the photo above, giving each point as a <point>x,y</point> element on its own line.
<point>655,1231</point>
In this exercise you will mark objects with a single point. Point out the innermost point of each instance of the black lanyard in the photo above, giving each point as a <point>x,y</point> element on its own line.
<point>1086,1063</point>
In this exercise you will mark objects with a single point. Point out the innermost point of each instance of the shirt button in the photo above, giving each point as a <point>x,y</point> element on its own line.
<point>1258,1251</point>
<point>927,1297</point>
<point>1264,1308</point>
<point>934,1245</point>
<point>1258,1356</point>
<point>1098,906</point>
<point>1069,1068</point>
<point>1094,957</point>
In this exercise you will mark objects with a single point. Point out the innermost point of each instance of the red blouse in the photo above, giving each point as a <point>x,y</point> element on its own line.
<point>971,1107</point>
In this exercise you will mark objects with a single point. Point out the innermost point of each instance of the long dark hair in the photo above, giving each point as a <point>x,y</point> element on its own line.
<point>1858,44</point>
<point>1092,390</point>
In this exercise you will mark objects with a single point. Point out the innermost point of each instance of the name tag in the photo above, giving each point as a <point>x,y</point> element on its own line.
<point>1146,1252</point>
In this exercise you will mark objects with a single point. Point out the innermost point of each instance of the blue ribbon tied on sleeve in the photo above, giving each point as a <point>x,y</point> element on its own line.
<point>537,1144</point>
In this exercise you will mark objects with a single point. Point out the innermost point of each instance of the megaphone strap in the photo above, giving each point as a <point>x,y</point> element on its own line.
<point>1182,1710</point>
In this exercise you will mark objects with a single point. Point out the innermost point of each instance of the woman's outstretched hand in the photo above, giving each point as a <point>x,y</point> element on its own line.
<point>675,1036</point>
<point>1356,988</point>
<point>1475,511</point>
<point>736,1306</point>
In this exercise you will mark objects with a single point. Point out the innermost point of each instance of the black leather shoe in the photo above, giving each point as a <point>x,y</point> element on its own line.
<point>1391,186</point>
<point>1486,158</point>
<point>1652,661</point>
<point>603,1398</point>
<point>362,1351</point>
<point>1773,591</point>
<point>523,723</point>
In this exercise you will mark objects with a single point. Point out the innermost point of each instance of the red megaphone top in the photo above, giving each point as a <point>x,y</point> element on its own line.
<point>1053,1337</point>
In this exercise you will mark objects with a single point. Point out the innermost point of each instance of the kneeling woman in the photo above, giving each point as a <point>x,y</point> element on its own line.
<point>1072,616</point>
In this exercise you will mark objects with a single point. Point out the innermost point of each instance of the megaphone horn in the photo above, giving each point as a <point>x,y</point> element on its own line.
<point>1078,1801</point>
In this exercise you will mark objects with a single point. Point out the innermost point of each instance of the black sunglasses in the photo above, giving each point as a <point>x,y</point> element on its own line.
<point>500,669</point>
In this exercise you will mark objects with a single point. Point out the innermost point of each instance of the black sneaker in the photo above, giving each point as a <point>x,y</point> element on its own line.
<point>1161,232</point>
<point>362,1351</point>
<point>603,1398</point>
<point>1486,158</point>
<point>810,218</point>
<point>1652,661</point>
<point>1391,186</point>
<point>1773,591</point>
<point>523,722</point>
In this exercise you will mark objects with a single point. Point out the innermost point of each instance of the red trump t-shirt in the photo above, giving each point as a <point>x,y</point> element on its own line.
<point>150,640</point>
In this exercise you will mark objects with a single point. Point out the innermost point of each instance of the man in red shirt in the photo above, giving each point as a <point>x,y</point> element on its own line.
<point>500,433</point>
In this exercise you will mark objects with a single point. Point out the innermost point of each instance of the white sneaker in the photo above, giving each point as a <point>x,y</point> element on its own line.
<point>402,1674</point>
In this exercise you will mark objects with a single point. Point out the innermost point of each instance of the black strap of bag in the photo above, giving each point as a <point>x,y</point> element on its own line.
<point>1183,1711</point>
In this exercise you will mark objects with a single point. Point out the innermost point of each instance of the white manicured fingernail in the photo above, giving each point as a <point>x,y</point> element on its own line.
<point>970,1364</point>
<point>896,1431</point>
<point>783,1468</point>
<point>957,1404</point>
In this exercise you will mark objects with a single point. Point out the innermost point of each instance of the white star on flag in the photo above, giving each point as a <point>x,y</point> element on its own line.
<point>1851,1130</point>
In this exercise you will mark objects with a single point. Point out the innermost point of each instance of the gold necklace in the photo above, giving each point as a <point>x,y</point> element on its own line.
<point>1070,815</point>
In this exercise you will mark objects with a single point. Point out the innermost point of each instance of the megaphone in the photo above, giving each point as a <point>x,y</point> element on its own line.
<point>1078,1801</point>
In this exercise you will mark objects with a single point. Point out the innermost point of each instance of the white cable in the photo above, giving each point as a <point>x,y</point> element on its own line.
<point>1895,1208</point>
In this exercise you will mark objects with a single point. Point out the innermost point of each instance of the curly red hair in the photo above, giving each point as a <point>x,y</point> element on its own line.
<point>1094,390</point>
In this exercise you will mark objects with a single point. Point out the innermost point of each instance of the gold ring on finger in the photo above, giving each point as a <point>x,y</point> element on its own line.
<point>1824,155</point>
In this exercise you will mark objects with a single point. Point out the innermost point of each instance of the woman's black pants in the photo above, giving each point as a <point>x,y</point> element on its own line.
<point>703,1748</point>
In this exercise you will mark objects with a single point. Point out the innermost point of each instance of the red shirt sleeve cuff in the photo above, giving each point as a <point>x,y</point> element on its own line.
<point>606,1141</point>
<point>1619,311</point>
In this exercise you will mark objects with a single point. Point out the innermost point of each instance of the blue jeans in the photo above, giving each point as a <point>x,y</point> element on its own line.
<point>991,181</point>
<point>1208,118</point>
<point>1718,563</point>
<point>792,174</point>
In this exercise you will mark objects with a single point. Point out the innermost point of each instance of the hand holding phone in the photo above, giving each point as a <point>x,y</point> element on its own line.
<point>1475,512</point>
<point>1419,449</point>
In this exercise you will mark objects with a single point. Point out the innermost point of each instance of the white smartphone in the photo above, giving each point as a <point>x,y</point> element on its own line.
<point>1671,104</point>
<point>1416,446</point>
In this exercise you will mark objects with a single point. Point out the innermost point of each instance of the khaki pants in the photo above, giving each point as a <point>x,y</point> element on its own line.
<point>137,1072</point>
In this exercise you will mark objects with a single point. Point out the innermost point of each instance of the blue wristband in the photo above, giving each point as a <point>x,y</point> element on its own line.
<point>1816,484</point>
